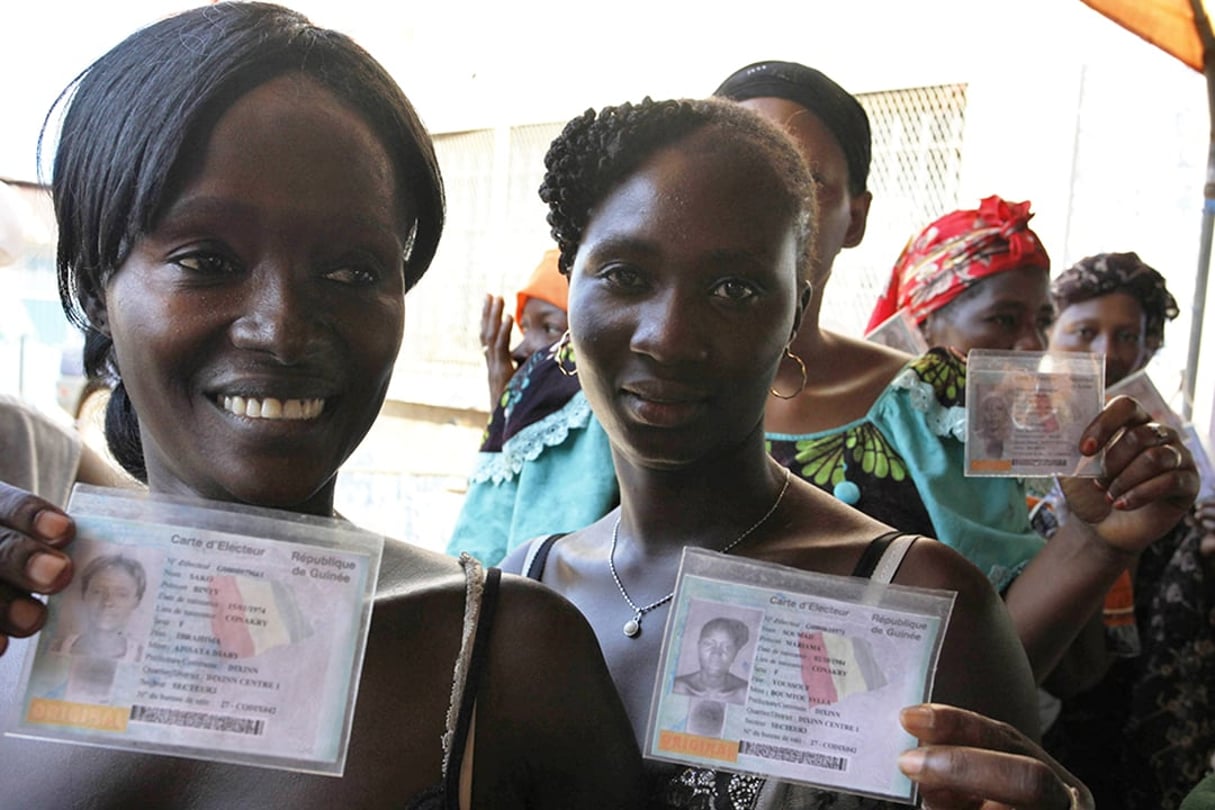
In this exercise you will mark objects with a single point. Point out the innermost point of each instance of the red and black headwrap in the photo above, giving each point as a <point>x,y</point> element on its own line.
<point>958,250</point>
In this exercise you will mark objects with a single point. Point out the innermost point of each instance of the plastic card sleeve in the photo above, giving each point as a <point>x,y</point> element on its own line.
<point>793,675</point>
<point>1140,387</point>
<point>205,630</point>
<point>1026,412</point>
<point>899,331</point>
<point>1202,460</point>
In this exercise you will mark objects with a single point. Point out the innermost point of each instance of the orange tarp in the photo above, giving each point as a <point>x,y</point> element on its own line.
<point>1167,24</point>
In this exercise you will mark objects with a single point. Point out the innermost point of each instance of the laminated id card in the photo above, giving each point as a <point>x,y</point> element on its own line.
<point>1202,460</point>
<point>204,630</point>
<point>1026,412</point>
<point>793,675</point>
<point>899,331</point>
<point>1140,387</point>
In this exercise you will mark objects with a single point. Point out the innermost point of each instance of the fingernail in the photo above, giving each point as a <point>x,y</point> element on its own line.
<point>911,762</point>
<point>44,569</point>
<point>1120,503</point>
<point>24,615</point>
<point>1088,446</point>
<point>919,716</point>
<point>51,525</point>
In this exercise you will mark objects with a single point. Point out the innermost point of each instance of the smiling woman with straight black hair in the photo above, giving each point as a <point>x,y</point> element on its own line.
<point>244,200</point>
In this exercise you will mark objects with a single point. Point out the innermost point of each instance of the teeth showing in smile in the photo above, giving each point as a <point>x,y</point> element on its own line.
<point>271,408</point>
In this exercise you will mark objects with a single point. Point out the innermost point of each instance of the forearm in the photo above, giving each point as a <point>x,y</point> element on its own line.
<point>1060,591</point>
<point>1084,662</point>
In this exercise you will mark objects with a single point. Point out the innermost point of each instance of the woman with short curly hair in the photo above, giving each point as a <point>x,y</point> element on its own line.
<point>686,230</point>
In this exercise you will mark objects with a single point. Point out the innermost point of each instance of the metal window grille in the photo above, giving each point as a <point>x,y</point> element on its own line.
<point>914,175</point>
<point>496,230</point>
<point>495,235</point>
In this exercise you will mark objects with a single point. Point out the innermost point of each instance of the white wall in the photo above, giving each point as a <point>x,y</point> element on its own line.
<point>1126,175</point>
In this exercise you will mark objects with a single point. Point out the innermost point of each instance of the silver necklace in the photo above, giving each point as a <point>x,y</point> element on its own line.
<point>632,628</point>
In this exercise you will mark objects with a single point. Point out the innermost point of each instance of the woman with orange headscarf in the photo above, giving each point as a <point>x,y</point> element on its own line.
<point>541,430</point>
<point>540,308</point>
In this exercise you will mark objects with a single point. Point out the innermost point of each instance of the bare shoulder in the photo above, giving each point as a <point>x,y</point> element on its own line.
<point>983,665</point>
<point>533,613</point>
<point>816,520</point>
<point>542,643</point>
<point>548,689</point>
<point>932,564</point>
<point>420,600</point>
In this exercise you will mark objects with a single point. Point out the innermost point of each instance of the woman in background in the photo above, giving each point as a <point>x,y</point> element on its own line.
<point>974,279</point>
<point>884,432</point>
<point>540,433</point>
<point>1115,305</point>
<point>540,307</point>
<point>1146,732</point>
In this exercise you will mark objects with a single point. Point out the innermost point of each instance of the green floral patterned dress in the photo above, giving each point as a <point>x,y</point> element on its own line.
<point>902,464</point>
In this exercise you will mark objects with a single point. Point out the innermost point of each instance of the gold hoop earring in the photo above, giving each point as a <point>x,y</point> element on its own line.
<point>802,366</point>
<point>563,351</point>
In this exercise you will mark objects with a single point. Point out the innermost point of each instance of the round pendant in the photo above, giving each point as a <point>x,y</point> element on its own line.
<point>632,627</point>
<point>847,492</point>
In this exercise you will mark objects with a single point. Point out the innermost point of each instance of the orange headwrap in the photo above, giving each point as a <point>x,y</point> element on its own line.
<point>547,284</point>
<point>956,251</point>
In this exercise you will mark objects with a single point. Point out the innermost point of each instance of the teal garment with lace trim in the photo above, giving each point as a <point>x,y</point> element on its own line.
<point>555,475</point>
<point>905,457</point>
<point>903,463</point>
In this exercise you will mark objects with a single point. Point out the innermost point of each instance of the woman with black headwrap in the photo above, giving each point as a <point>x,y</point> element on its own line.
<point>1112,304</point>
<point>1146,732</point>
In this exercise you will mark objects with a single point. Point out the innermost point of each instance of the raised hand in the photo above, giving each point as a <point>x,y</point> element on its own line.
<point>1148,481</point>
<point>495,344</point>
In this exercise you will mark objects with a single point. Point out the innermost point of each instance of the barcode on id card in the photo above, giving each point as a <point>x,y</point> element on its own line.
<point>779,753</point>
<point>203,720</point>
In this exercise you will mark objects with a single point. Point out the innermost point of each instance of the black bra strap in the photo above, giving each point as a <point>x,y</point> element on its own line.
<point>476,664</point>
<point>536,569</point>
<point>873,554</point>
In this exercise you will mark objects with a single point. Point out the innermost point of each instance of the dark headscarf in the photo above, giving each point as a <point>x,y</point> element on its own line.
<point>1107,273</point>
<point>834,106</point>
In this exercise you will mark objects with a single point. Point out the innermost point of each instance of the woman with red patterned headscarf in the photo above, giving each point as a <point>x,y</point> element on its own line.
<point>974,279</point>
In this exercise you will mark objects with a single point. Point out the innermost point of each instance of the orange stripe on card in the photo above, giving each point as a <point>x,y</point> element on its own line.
<point>78,715</point>
<point>677,742</point>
